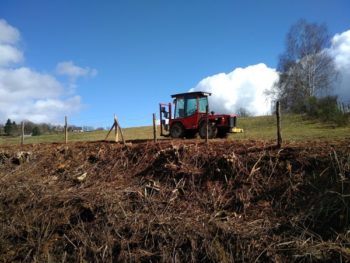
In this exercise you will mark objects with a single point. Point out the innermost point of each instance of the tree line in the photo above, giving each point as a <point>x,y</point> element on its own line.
<point>307,74</point>
<point>11,128</point>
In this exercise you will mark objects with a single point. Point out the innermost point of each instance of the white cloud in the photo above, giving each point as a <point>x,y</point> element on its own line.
<point>9,55</point>
<point>8,34</point>
<point>69,69</point>
<point>24,83</point>
<point>26,94</point>
<point>340,50</point>
<point>9,37</point>
<point>41,110</point>
<point>241,88</point>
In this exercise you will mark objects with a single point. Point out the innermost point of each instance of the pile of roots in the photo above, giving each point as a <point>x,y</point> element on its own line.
<point>175,201</point>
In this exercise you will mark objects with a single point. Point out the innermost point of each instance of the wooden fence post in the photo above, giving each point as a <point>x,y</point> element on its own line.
<point>116,135</point>
<point>154,128</point>
<point>22,133</point>
<point>117,127</point>
<point>114,124</point>
<point>278,117</point>
<point>65,130</point>
<point>207,124</point>
<point>120,129</point>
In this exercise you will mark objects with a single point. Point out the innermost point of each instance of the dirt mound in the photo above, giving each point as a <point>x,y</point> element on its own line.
<point>175,201</point>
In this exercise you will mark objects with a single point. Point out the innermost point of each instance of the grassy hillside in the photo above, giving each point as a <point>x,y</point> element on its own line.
<point>294,128</point>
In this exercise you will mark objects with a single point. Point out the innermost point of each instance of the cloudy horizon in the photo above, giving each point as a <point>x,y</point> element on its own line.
<point>245,87</point>
<point>28,94</point>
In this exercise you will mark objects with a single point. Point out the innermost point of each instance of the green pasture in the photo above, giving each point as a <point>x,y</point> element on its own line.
<point>294,128</point>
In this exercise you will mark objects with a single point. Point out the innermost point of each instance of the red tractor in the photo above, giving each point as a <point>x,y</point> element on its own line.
<point>191,115</point>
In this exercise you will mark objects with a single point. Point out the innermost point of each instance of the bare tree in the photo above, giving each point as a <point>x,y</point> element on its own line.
<point>306,69</point>
<point>243,112</point>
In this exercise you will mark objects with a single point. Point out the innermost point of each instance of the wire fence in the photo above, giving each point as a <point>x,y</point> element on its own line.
<point>29,133</point>
<point>263,127</point>
<point>344,107</point>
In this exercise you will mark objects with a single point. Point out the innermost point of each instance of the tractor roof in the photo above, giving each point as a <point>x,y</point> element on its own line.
<point>196,93</point>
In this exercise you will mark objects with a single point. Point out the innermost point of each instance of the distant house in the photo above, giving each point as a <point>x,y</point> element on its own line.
<point>88,128</point>
<point>58,128</point>
<point>77,129</point>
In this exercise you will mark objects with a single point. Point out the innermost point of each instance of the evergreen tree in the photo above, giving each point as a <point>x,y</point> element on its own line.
<point>36,131</point>
<point>8,127</point>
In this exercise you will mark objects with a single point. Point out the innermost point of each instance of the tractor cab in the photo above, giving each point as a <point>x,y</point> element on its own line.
<point>189,104</point>
<point>189,116</point>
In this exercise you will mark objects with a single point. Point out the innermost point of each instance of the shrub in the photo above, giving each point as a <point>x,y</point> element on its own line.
<point>36,131</point>
<point>326,109</point>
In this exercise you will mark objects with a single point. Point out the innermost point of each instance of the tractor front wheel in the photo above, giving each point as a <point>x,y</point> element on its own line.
<point>177,130</point>
<point>212,130</point>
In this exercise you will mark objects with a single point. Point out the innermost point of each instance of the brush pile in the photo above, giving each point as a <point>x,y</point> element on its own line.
<point>177,201</point>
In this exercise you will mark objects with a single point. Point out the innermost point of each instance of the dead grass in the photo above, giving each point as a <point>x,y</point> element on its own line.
<point>175,201</point>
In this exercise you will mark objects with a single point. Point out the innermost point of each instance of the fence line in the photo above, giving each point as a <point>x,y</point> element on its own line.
<point>344,107</point>
<point>67,133</point>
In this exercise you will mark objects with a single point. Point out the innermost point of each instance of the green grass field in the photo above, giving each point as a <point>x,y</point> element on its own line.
<point>294,128</point>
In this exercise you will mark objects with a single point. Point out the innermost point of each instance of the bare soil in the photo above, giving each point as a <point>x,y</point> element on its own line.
<point>175,201</point>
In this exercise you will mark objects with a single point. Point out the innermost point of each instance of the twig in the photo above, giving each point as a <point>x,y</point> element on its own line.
<point>70,241</point>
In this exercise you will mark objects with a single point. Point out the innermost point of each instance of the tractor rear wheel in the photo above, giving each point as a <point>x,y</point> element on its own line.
<point>212,130</point>
<point>177,130</point>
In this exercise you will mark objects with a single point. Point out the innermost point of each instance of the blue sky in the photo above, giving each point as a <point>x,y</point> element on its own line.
<point>141,52</point>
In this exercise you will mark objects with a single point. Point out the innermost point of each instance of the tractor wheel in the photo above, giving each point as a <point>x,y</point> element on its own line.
<point>212,130</point>
<point>222,133</point>
<point>177,130</point>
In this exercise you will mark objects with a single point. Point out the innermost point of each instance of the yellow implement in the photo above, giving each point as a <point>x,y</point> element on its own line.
<point>236,130</point>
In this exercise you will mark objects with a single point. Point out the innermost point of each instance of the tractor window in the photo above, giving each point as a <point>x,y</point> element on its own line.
<point>180,108</point>
<point>202,104</point>
<point>191,106</point>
